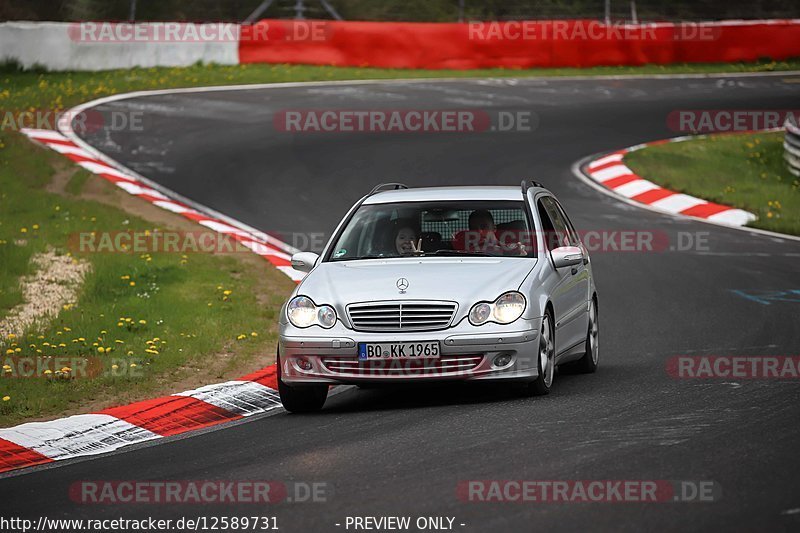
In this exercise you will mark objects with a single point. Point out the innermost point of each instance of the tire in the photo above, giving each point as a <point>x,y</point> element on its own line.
<point>545,360</point>
<point>591,359</point>
<point>302,399</point>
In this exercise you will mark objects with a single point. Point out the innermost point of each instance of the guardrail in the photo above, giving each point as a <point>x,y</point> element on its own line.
<point>791,148</point>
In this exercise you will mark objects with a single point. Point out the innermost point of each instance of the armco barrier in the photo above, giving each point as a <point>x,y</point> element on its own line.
<point>61,46</point>
<point>515,44</point>
<point>791,148</point>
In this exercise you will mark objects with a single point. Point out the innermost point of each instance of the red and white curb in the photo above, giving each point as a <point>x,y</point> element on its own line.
<point>37,443</point>
<point>611,172</point>
<point>278,253</point>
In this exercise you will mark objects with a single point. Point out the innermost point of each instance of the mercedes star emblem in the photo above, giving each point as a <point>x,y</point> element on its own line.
<point>402,284</point>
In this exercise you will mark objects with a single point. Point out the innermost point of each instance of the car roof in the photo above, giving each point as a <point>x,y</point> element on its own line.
<point>434,194</point>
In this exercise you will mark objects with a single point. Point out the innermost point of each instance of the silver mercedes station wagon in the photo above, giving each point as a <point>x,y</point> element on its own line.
<point>441,283</point>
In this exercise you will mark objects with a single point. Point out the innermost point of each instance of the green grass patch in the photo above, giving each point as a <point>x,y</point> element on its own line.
<point>745,171</point>
<point>141,320</point>
<point>76,182</point>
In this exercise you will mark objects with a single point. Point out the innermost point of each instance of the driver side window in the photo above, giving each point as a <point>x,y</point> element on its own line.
<point>555,229</point>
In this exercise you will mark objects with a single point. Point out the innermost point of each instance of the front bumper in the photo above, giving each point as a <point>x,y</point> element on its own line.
<point>466,353</point>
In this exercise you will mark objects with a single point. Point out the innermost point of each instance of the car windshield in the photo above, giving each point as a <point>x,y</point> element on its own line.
<point>425,229</point>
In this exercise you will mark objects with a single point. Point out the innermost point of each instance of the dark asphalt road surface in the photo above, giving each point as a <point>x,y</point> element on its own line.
<point>403,451</point>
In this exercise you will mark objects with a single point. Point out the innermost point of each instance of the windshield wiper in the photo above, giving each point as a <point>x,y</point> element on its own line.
<point>459,252</point>
<point>374,256</point>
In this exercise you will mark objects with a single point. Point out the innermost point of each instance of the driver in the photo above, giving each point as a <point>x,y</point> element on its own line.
<point>484,234</point>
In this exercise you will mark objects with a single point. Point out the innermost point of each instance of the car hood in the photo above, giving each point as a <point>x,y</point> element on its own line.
<point>463,280</point>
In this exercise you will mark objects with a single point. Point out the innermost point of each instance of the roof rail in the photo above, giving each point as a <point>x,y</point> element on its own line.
<point>528,184</point>
<point>380,186</point>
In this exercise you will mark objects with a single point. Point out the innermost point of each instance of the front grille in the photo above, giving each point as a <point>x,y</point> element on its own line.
<point>446,365</point>
<point>417,315</point>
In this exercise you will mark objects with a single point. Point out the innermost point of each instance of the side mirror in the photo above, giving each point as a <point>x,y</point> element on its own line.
<point>567,256</point>
<point>304,261</point>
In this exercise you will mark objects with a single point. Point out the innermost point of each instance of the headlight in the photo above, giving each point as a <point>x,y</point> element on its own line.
<point>302,313</point>
<point>505,310</point>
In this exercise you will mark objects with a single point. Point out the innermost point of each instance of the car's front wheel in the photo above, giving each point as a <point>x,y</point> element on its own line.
<point>545,360</point>
<point>301,399</point>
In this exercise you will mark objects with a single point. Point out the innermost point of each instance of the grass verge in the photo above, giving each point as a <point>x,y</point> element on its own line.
<point>54,90</point>
<point>745,171</point>
<point>144,323</point>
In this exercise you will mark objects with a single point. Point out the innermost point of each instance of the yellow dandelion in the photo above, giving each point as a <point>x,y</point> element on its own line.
<point>6,398</point>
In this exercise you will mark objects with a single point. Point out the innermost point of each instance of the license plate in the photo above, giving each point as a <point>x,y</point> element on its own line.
<point>397,350</point>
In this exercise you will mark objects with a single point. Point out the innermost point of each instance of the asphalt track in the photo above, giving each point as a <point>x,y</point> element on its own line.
<point>403,452</point>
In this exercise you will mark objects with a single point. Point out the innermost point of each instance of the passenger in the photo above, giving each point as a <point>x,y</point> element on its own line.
<point>406,238</point>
